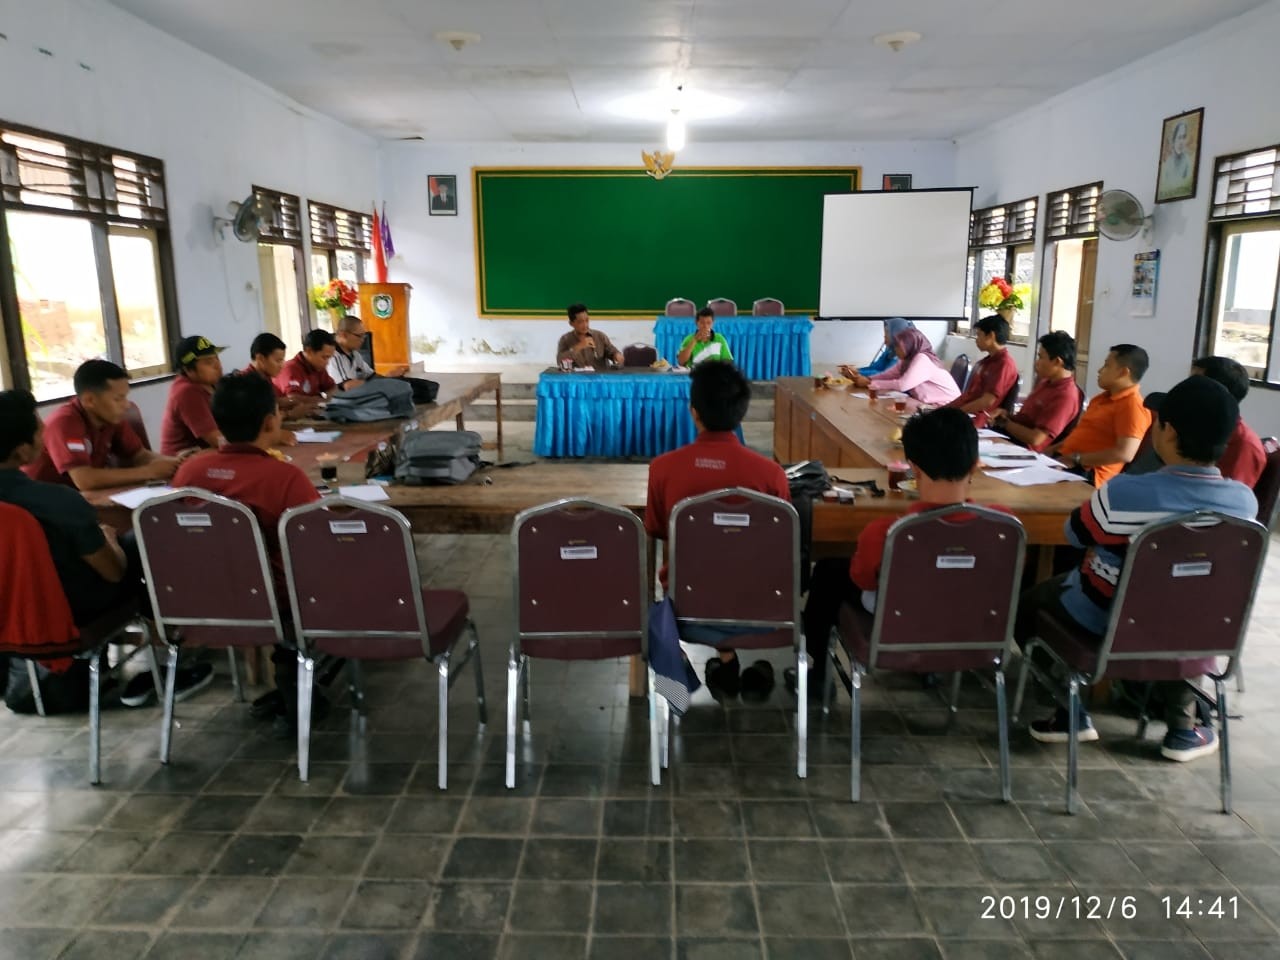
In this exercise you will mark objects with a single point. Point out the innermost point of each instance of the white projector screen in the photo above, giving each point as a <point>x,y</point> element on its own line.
<point>895,254</point>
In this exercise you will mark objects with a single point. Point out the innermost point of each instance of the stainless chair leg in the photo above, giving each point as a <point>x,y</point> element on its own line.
<point>953,700</point>
<point>655,771</point>
<point>95,720</point>
<point>1224,748</point>
<point>524,693</point>
<point>513,682</point>
<point>664,734</point>
<point>237,691</point>
<point>482,707</point>
<point>1022,681</point>
<point>1073,743</point>
<point>1143,717</point>
<point>1002,722</point>
<point>829,683</point>
<point>855,732</point>
<point>33,677</point>
<point>154,666</point>
<point>442,748</point>
<point>355,686</point>
<point>305,682</point>
<point>802,712</point>
<point>166,724</point>
<point>1239,675</point>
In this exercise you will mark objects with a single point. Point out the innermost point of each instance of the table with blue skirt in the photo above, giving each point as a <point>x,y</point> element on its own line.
<point>762,347</point>
<point>612,414</point>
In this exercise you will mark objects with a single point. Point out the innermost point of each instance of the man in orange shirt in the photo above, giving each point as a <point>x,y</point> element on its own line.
<point>1112,427</point>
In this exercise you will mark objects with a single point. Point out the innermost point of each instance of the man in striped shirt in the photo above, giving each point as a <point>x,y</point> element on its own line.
<point>1195,422</point>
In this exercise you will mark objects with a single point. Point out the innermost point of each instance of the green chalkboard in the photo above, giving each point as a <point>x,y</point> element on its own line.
<point>625,243</point>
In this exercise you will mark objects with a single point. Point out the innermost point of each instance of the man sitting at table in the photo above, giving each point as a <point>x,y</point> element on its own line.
<point>994,376</point>
<point>718,399</point>
<point>703,343</point>
<point>188,422</point>
<point>266,360</point>
<point>307,373</point>
<point>348,367</point>
<point>583,346</point>
<point>1195,421</point>
<point>1112,426</point>
<point>942,448</point>
<point>243,470</point>
<point>89,444</point>
<point>1054,402</point>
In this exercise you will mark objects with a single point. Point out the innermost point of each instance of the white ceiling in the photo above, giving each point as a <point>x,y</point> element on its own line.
<point>802,69</point>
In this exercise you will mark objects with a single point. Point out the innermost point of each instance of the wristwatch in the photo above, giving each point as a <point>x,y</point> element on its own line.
<point>1075,461</point>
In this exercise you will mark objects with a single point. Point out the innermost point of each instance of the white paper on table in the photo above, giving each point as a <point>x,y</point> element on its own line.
<point>860,396</point>
<point>986,434</point>
<point>312,435</point>
<point>1011,457</point>
<point>138,496</point>
<point>891,395</point>
<point>369,492</point>
<point>1033,476</point>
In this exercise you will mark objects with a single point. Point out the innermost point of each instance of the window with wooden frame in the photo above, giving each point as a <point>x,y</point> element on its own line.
<point>1242,263</point>
<point>1072,212</point>
<point>341,243</point>
<point>86,268</point>
<point>280,265</point>
<point>1001,244</point>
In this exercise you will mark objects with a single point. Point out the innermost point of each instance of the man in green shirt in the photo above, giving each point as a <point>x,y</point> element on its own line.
<point>703,343</point>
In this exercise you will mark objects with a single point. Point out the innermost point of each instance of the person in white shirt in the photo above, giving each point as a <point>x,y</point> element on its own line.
<point>348,367</point>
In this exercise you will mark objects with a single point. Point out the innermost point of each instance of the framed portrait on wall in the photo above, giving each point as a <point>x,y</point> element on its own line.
<point>1179,156</point>
<point>442,195</point>
<point>896,181</point>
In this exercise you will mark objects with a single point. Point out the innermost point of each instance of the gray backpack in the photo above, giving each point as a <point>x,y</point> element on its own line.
<point>437,456</point>
<point>382,398</point>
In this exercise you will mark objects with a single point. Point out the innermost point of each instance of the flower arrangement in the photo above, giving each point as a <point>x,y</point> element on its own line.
<point>334,295</point>
<point>999,294</point>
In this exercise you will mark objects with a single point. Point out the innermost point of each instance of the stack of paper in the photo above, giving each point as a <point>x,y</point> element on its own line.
<point>312,435</point>
<point>1033,476</point>
<point>139,495</point>
<point>369,492</point>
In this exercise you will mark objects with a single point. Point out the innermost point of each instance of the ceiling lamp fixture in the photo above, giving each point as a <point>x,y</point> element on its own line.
<point>676,132</point>
<point>457,39</point>
<point>896,41</point>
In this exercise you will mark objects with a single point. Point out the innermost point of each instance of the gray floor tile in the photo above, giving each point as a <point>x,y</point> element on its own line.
<point>387,905</point>
<point>917,948</point>
<point>408,857</point>
<point>631,948</point>
<point>223,903</point>
<point>710,910</point>
<point>28,943</point>
<point>143,901</point>
<point>798,910</point>
<point>527,946</point>
<point>479,906</point>
<point>257,855</point>
<point>367,946</point>
<point>634,860</point>
<point>551,907</point>
<point>559,859</point>
<point>457,946</point>
<point>688,948</point>
<point>207,946</point>
<point>483,858</point>
<point>633,908</point>
<point>799,861</point>
<point>99,945</point>
<point>311,903</point>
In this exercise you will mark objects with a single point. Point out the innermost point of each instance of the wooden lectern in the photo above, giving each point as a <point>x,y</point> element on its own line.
<point>384,308</point>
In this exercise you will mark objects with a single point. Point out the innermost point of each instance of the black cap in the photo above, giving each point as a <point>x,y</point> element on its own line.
<point>190,349</point>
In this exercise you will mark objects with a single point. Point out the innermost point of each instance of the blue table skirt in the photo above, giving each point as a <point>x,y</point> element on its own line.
<point>612,414</point>
<point>763,347</point>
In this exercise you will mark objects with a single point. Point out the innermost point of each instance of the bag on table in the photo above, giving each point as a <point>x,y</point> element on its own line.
<point>437,456</point>
<point>424,391</point>
<point>383,398</point>
<point>807,480</point>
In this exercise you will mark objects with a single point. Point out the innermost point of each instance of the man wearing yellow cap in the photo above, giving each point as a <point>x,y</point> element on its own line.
<point>188,414</point>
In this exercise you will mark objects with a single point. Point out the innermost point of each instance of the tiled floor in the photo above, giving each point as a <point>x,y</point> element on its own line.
<point>225,854</point>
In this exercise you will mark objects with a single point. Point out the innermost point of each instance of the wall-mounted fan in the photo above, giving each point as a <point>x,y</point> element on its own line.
<point>244,218</point>
<point>1120,216</point>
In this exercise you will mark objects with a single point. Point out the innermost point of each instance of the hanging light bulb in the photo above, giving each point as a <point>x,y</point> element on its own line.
<point>675,132</point>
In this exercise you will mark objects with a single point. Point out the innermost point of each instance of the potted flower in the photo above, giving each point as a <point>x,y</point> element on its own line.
<point>336,296</point>
<point>1004,298</point>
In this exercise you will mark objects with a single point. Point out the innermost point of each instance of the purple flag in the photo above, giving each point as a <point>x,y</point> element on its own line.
<point>388,248</point>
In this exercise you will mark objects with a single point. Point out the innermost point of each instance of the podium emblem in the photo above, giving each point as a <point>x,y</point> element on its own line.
<point>382,306</point>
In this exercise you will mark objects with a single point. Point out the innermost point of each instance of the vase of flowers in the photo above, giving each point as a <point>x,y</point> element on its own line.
<point>1003,297</point>
<point>336,296</point>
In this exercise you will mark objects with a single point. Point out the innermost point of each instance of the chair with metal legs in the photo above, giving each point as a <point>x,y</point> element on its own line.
<point>580,594</point>
<point>384,612</point>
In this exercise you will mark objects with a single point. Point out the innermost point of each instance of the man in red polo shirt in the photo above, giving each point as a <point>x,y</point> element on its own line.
<point>994,376</point>
<point>243,470</point>
<point>718,399</point>
<point>188,420</point>
<point>1113,425</point>
<point>88,444</point>
<point>1054,402</point>
<point>266,360</point>
<point>1244,457</point>
<point>307,372</point>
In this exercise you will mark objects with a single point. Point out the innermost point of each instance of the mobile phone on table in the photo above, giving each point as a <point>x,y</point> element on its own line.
<point>323,489</point>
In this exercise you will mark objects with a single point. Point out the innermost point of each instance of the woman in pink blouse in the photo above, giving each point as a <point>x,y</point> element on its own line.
<point>918,372</point>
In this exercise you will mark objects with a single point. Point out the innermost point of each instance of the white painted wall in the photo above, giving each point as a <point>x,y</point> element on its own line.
<point>112,79</point>
<point>1109,130</point>
<point>437,254</point>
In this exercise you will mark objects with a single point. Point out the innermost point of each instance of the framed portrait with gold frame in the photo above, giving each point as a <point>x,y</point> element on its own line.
<point>1179,165</point>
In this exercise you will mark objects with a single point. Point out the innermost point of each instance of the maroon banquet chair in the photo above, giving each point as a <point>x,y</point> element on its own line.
<point>960,371</point>
<point>639,355</point>
<point>680,307</point>
<point>1182,603</point>
<point>207,572</point>
<point>1267,489</point>
<point>133,417</point>
<point>733,562</point>
<point>382,611</point>
<point>1010,402</point>
<point>767,307</point>
<point>723,307</point>
<point>965,561</point>
<point>581,593</point>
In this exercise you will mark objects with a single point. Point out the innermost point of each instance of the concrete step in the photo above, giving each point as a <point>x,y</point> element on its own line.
<point>525,390</point>
<point>485,410</point>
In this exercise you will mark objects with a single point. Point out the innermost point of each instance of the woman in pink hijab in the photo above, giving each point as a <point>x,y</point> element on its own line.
<point>918,373</point>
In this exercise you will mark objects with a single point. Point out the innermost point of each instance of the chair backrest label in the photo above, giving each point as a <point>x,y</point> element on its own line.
<point>1196,568</point>
<point>339,527</point>
<point>578,553</point>
<point>946,562</point>
<point>731,519</point>
<point>194,520</point>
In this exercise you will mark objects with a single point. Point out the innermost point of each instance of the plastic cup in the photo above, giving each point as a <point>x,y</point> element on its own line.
<point>871,392</point>
<point>900,404</point>
<point>898,471</point>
